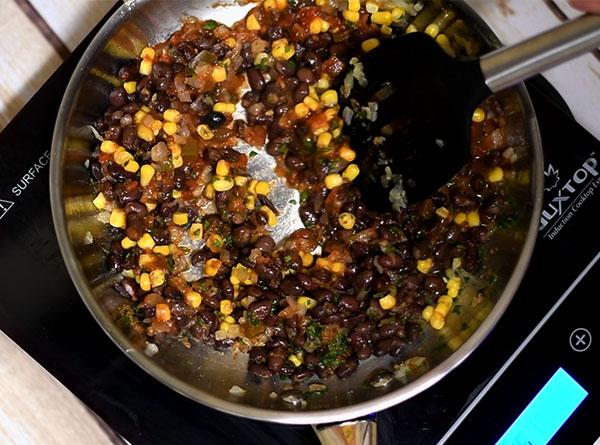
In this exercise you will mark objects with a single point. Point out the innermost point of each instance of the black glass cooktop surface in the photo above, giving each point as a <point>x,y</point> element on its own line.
<point>41,311</point>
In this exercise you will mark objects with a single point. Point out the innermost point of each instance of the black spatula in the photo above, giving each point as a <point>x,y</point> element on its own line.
<point>418,135</point>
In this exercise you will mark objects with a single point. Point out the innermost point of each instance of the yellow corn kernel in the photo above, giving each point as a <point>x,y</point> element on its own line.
<point>351,16</point>
<point>387,302</point>
<point>271,217</point>
<point>223,184</point>
<point>145,109</point>
<point>127,243</point>
<point>146,174</point>
<point>145,282</point>
<point>432,30</point>
<point>222,168</point>
<point>397,14</point>
<point>146,241</point>
<point>442,308</point>
<point>369,44</point>
<point>145,67</point>
<point>196,231</point>
<point>337,267</point>
<point>156,127</point>
<point>446,299</point>
<point>307,259</point>
<point>496,174</point>
<point>329,98</point>
<point>132,166</point>
<point>205,132</point>
<point>281,4</point>
<point>382,18</point>
<point>226,307</point>
<point>150,206</point>
<point>330,113</point>
<point>224,326</point>
<point>386,30</point>
<point>99,201</point>
<point>268,4</point>
<point>262,188</point>
<point>320,2</point>
<point>282,50</point>
<point>426,314</point>
<point>453,287</point>
<point>130,87</point>
<point>209,191</point>
<point>252,23</point>
<point>148,53</point>
<point>211,267</point>
<point>324,139</point>
<point>325,26</point>
<point>139,116</point>
<point>411,28</point>
<point>117,218</point>
<point>424,266</point>
<point>333,180</point>
<point>170,128</point>
<point>312,92</point>
<point>473,218</point>
<point>301,110</point>
<point>172,115</point>
<point>162,250</point>
<point>347,220</point>
<point>180,218</point>
<point>162,312</point>
<point>311,103</point>
<point>157,277</point>
<point>214,242</point>
<point>354,5</point>
<point>108,146</point>
<point>250,202</point>
<point>307,301</point>
<point>240,181</point>
<point>297,361</point>
<point>192,298</point>
<point>442,212</point>
<point>478,115</point>
<point>460,218</point>
<point>122,156</point>
<point>437,320</point>
<point>176,194</point>
<point>177,161</point>
<point>443,41</point>
<point>224,107</point>
<point>219,74</point>
<point>346,153</point>
<point>351,172</point>
<point>315,25</point>
<point>252,186</point>
<point>145,260</point>
<point>371,7</point>
<point>145,133</point>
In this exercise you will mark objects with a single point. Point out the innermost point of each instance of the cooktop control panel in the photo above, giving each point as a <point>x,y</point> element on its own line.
<point>549,391</point>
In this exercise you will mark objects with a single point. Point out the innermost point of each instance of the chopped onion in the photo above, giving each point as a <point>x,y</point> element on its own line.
<point>237,391</point>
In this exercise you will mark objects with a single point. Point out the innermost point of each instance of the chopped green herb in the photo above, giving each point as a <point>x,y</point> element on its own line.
<point>170,264</point>
<point>314,330</point>
<point>456,309</point>
<point>287,259</point>
<point>252,319</point>
<point>283,149</point>
<point>464,327</point>
<point>304,196</point>
<point>252,154</point>
<point>262,64</point>
<point>210,25</point>
<point>125,318</point>
<point>336,349</point>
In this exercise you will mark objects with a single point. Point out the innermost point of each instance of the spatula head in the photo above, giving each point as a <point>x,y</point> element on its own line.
<point>416,137</point>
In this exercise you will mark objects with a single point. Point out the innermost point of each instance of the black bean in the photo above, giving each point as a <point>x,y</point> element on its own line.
<point>214,119</point>
<point>306,281</point>
<point>306,75</point>
<point>204,43</point>
<point>129,72</point>
<point>200,256</point>
<point>390,329</point>
<point>381,283</point>
<point>291,286</point>
<point>171,293</point>
<point>324,295</point>
<point>135,207</point>
<point>268,272</point>
<point>207,317</point>
<point>127,288</point>
<point>294,163</point>
<point>300,93</point>
<point>348,304</point>
<point>257,355</point>
<point>276,359</point>
<point>227,290</point>
<point>223,345</point>
<point>129,137</point>
<point>241,235</point>
<point>117,97</point>
<point>363,280</point>
<point>162,70</point>
<point>346,369</point>
<point>275,33</point>
<point>477,183</point>
<point>248,59</point>
<point>265,244</point>
<point>434,284</point>
<point>255,79</point>
<point>307,215</point>
<point>464,199</point>
<point>284,68</point>
<point>95,170</point>
<point>136,226</point>
<point>302,375</point>
<point>479,234</point>
<point>421,250</point>
<point>359,250</point>
<point>126,194</point>
<point>391,261</point>
<point>220,49</point>
<point>260,309</point>
<point>281,109</point>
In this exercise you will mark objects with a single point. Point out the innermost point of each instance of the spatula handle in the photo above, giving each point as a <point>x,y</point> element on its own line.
<point>509,65</point>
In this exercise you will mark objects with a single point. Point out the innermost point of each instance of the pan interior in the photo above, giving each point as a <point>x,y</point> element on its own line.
<point>206,375</point>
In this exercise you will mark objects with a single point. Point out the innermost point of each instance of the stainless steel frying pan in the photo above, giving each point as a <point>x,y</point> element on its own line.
<point>207,376</point>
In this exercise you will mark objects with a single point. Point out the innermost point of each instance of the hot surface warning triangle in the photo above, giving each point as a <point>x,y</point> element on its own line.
<point>5,207</point>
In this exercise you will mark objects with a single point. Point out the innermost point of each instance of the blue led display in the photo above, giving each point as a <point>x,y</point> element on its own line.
<point>547,412</point>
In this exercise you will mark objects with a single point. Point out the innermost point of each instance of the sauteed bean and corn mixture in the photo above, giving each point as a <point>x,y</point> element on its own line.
<point>353,282</point>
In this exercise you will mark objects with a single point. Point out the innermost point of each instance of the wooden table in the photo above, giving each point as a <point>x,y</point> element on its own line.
<point>37,35</point>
